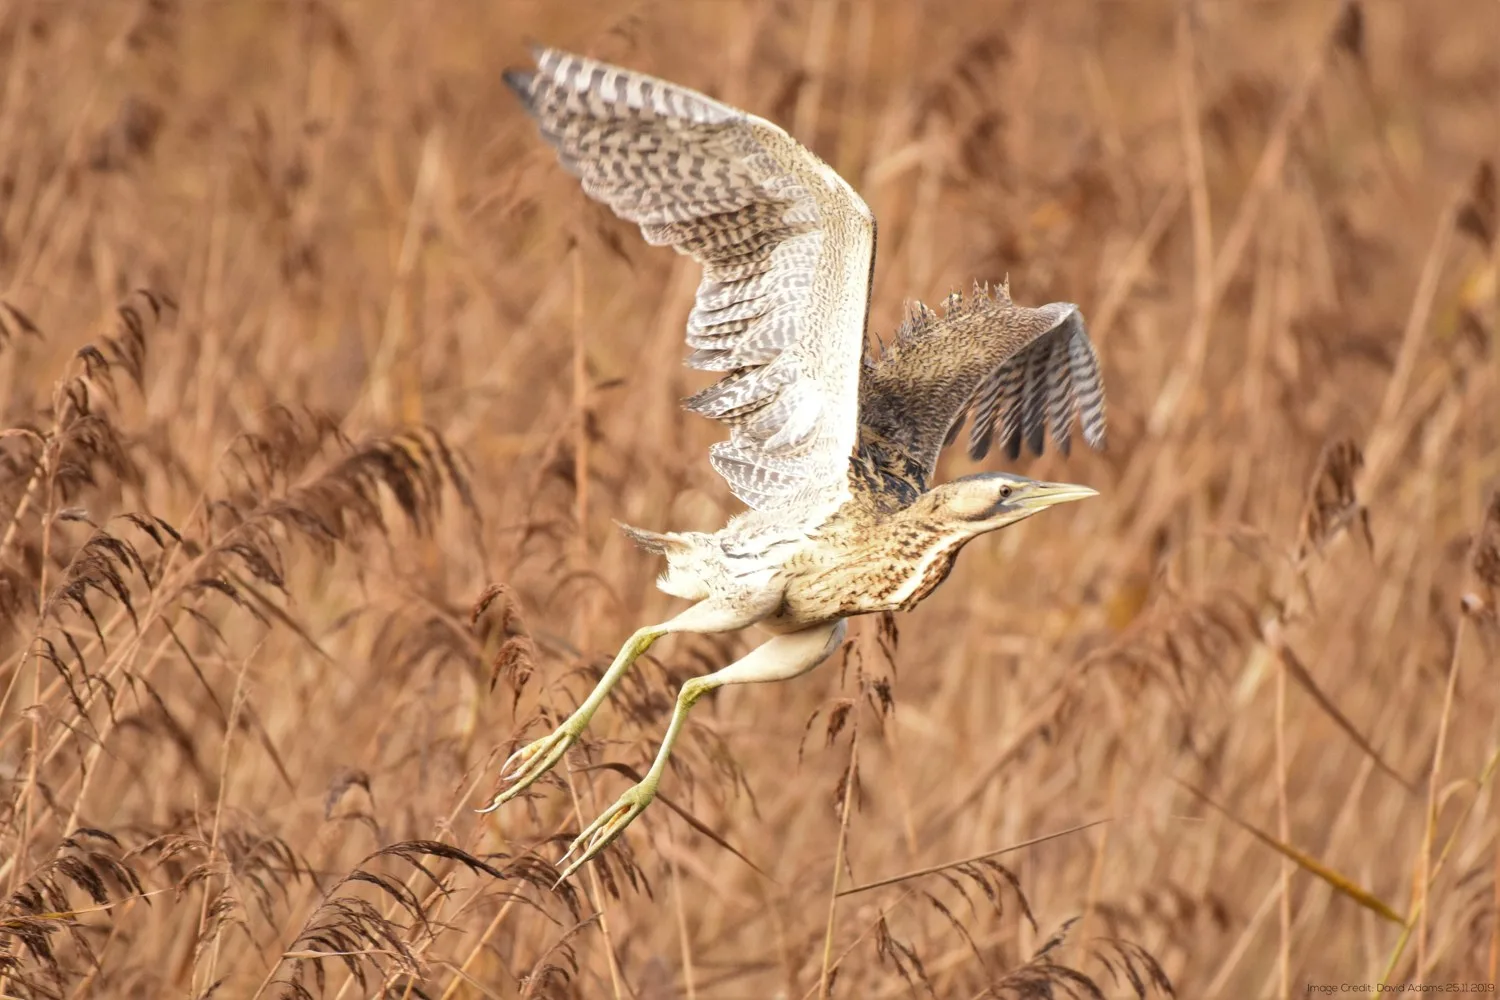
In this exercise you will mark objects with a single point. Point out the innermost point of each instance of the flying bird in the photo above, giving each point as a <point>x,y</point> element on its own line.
<point>833,450</point>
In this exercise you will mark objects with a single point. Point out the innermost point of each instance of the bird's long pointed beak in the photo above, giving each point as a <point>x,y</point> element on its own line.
<point>1045,495</point>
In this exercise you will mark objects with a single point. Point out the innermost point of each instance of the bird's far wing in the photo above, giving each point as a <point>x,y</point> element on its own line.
<point>1018,370</point>
<point>786,247</point>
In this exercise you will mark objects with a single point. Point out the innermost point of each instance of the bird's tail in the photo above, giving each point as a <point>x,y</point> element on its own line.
<point>651,541</point>
<point>683,577</point>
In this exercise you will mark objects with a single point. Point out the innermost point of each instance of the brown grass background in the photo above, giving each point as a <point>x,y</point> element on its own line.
<point>393,360</point>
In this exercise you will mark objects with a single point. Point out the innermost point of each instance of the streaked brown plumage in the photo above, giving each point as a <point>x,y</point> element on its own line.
<point>832,451</point>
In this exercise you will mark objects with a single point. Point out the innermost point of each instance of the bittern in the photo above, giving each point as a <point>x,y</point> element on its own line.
<point>832,450</point>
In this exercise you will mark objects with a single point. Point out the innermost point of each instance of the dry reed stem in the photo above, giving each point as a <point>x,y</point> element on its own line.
<point>1384,437</point>
<point>596,898</point>
<point>1284,831</point>
<point>680,912</point>
<point>933,869</point>
<point>1429,833</point>
<point>825,982</point>
<point>859,939</point>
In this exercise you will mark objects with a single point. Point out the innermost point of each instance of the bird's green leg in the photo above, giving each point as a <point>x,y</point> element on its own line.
<point>780,659</point>
<point>537,758</point>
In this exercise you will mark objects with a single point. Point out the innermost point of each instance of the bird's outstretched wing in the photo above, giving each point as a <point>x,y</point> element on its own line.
<point>786,247</point>
<point>1018,370</point>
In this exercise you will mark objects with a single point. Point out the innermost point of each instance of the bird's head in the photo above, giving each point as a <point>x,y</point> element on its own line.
<point>992,500</point>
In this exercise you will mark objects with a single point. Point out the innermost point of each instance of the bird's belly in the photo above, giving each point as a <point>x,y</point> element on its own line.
<point>864,586</point>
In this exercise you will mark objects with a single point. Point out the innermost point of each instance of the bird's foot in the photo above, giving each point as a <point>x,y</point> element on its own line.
<point>534,760</point>
<point>602,832</point>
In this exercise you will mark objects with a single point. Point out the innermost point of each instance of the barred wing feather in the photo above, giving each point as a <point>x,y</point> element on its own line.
<point>1019,371</point>
<point>786,248</point>
<point>1042,386</point>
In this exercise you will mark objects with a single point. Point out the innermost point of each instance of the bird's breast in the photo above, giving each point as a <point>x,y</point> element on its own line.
<point>873,570</point>
<point>923,571</point>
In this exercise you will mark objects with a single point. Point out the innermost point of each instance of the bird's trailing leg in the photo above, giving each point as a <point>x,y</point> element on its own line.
<point>537,758</point>
<point>780,659</point>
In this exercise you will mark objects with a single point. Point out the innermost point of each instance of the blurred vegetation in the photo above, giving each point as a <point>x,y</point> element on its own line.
<point>323,386</point>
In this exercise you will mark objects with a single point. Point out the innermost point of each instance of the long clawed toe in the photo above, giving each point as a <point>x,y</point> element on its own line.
<point>531,762</point>
<point>611,823</point>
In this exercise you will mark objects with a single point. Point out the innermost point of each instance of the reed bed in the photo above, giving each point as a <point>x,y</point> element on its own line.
<point>323,387</point>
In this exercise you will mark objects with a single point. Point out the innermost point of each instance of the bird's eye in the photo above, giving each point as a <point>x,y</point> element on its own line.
<point>1004,492</point>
